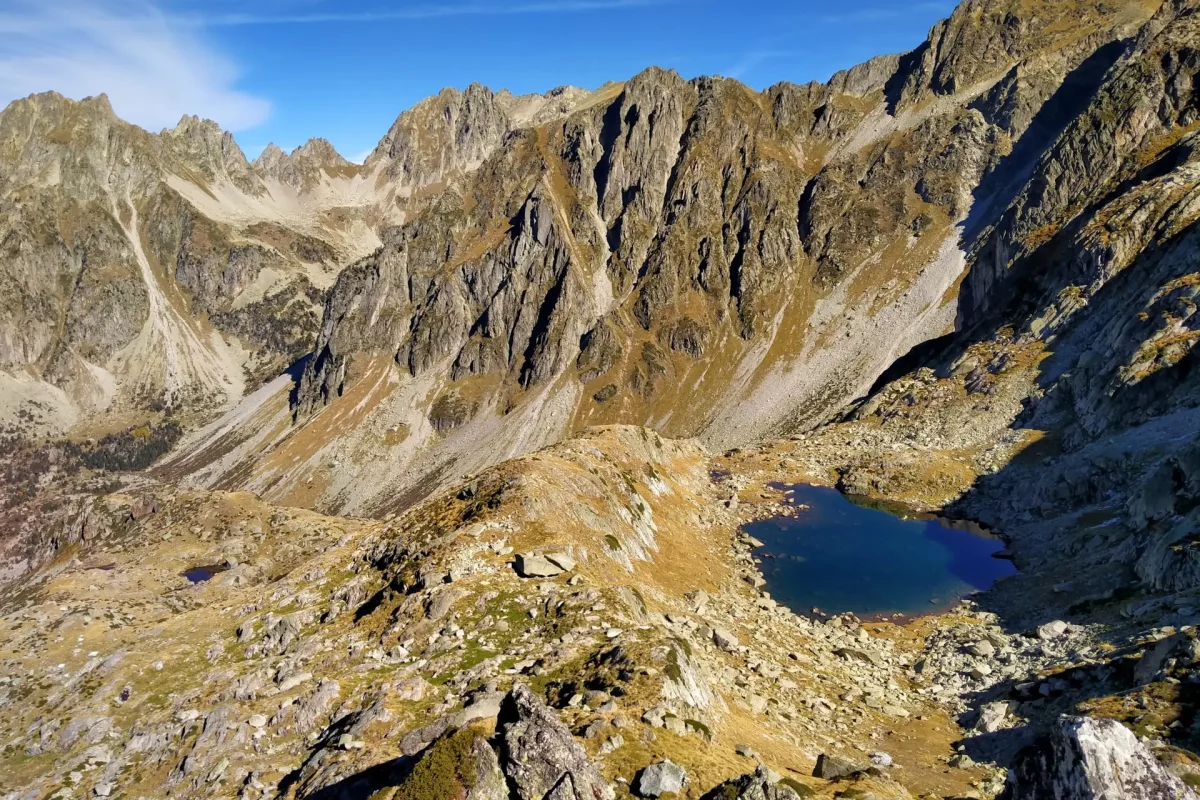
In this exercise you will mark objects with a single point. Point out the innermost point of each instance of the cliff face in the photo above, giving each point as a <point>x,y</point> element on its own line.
<point>1142,108</point>
<point>121,294</point>
<point>1095,261</point>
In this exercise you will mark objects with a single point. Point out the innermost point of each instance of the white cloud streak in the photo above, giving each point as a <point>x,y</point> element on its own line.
<point>753,59</point>
<point>419,12</point>
<point>152,69</point>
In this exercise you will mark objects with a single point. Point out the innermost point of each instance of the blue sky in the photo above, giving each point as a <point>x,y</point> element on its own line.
<point>286,70</point>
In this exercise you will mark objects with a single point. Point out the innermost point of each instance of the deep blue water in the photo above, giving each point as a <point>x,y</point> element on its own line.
<point>201,574</point>
<point>840,556</point>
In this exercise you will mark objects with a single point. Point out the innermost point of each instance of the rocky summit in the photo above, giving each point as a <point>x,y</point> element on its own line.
<point>426,477</point>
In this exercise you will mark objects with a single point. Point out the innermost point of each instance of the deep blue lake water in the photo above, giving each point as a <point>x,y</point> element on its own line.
<point>201,574</point>
<point>840,556</point>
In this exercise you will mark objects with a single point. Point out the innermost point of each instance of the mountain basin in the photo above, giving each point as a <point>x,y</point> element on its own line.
<point>839,554</point>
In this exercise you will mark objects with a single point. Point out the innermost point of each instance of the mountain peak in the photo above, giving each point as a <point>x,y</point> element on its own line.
<point>101,103</point>
<point>53,102</point>
<point>319,150</point>
<point>270,152</point>
<point>302,167</point>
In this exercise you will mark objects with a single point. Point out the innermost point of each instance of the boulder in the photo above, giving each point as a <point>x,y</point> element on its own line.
<point>531,565</point>
<point>851,654</point>
<point>725,640</point>
<point>246,632</point>
<point>142,507</point>
<point>561,560</point>
<point>654,717</point>
<point>1155,659</point>
<point>762,784</point>
<point>1051,630</point>
<point>289,682</point>
<point>413,689</point>
<point>485,705</point>
<point>418,739</point>
<point>982,649</point>
<point>1086,758</point>
<point>991,717</point>
<point>833,767</point>
<point>660,778</point>
<point>698,598</point>
<point>539,755</point>
<point>442,602</point>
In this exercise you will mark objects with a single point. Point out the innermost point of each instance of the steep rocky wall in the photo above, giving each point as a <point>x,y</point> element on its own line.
<point>1078,348</point>
<point>1143,106</point>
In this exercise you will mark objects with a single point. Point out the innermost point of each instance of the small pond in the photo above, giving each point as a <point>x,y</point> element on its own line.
<point>201,574</point>
<point>838,555</point>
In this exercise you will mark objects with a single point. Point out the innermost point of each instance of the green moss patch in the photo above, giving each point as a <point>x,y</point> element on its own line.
<point>445,773</point>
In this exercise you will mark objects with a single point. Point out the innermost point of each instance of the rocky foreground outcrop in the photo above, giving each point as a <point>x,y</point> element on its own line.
<point>1089,758</point>
<point>528,754</point>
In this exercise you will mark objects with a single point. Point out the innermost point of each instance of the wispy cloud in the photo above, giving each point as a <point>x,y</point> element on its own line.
<point>417,12</point>
<point>153,69</point>
<point>751,60</point>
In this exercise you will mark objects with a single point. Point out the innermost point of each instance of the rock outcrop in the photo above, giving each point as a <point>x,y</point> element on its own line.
<point>1089,758</point>
<point>541,758</point>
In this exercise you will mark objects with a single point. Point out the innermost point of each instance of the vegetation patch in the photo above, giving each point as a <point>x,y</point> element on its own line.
<point>798,787</point>
<point>445,773</point>
<point>135,449</point>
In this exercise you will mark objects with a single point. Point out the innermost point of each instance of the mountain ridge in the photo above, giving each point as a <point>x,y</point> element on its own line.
<point>611,273</point>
